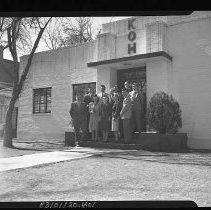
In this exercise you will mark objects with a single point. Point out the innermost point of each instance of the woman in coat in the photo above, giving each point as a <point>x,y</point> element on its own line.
<point>94,108</point>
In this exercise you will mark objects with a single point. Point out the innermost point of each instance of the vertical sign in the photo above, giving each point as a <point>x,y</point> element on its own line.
<point>131,37</point>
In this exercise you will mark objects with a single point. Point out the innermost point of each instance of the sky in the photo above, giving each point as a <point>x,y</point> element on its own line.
<point>97,24</point>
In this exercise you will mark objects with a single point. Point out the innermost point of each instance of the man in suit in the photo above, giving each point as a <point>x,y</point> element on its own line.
<point>100,96</point>
<point>78,112</point>
<point>102,93</point>
<point>137,107</point>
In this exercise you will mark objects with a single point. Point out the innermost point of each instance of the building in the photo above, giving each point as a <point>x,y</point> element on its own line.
<point>6,84</point>
<point>168,53</point>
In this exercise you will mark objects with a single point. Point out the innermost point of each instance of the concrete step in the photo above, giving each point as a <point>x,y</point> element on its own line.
<point>110,145</point>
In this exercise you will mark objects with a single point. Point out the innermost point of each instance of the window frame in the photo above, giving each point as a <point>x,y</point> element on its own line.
<point>85,84</point>
<point>42,92</point>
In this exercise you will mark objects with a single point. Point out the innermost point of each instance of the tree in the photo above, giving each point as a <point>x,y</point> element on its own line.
<point>76,30</point>
<point>66,31</point>
<point>53,34</point>
<point>15,33</point>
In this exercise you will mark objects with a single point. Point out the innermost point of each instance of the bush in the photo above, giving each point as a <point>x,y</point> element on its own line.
<point>164,114</point>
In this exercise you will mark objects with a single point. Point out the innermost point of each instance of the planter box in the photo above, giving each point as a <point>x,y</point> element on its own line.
<point>69,139</point>
<point>148,141</point>
<point>110,145</point>
<point>163,142</point>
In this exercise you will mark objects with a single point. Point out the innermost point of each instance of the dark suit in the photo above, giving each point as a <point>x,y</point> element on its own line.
<point>78,112</point>
<point>137,110</point>
<point>88,98</point>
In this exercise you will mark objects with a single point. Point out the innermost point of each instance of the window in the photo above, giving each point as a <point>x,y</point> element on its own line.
<point>80,89</point>
<point>42,100</point>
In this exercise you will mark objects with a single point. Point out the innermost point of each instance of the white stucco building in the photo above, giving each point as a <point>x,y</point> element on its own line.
<point>169,53</point>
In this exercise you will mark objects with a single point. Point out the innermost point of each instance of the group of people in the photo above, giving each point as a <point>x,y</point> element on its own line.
<point>120,112</point>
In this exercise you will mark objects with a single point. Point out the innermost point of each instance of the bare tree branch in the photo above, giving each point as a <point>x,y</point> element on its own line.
<point>26,69</point>
<point>64,32</point>
<point>16,33</point>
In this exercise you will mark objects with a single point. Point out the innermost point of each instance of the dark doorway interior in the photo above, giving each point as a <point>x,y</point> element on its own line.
<point>82,88</point>
<point>131,75</point>
<point>137,75</point>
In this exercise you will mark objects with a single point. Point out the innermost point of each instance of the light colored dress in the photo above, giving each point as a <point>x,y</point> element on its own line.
<point>116,108</point>
<point>94,116</point>
<point>114,124</point>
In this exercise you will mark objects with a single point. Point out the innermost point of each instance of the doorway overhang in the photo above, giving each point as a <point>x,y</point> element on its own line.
<point>129,62</point>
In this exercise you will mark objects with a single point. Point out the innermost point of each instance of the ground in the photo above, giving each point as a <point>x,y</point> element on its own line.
<point>27,147</point>
<point>114,175</point>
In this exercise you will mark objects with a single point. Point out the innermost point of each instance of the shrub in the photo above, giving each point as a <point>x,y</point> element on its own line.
<point>164,114</point>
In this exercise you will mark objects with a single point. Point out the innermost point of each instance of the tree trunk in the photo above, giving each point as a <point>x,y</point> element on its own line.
<point>8,135</point>
<point>18,84</point>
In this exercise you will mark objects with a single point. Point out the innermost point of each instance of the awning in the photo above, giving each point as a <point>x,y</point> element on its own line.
<point>128,62</point>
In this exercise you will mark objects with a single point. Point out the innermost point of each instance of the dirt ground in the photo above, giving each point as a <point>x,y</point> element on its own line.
<point>125,175</point>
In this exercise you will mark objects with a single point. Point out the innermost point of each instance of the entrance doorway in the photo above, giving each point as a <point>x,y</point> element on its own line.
<point>137,75</point>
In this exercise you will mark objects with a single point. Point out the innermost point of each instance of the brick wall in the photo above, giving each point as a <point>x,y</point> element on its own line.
<point>58,69</point>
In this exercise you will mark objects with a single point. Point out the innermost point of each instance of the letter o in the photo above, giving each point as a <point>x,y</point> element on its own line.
<point>132,36</point>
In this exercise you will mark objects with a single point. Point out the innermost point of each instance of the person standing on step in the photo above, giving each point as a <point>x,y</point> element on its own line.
<point>113,91</point>
<point>87,99</point>
<point>126,114</point>
<point>94,108</point>
<point>105,114</point>
<point>137,107</point>
<point>78,113</point>
<point>128,89</point>
<point>100,95</point>
<point>116,108</point>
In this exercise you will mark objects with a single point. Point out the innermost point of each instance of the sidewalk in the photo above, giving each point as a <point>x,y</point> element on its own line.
<point>29,160</point>
<point>38,159</point>
<point>28,154</point>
